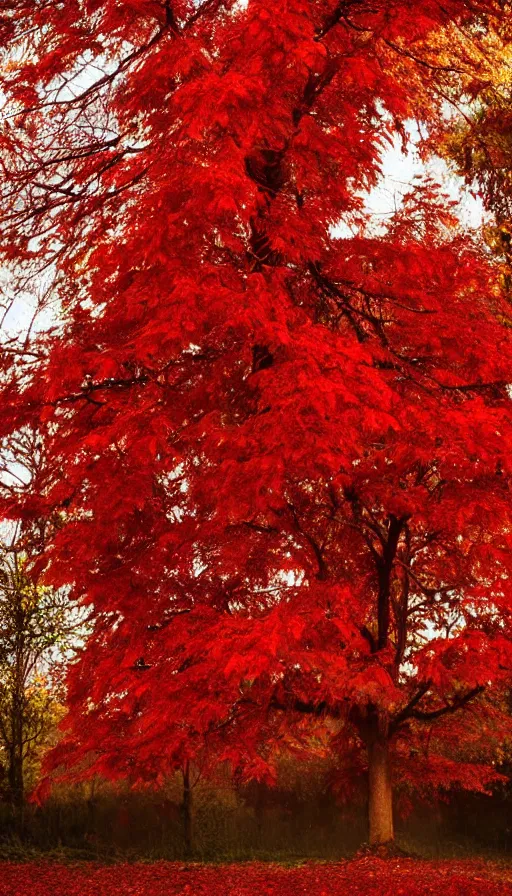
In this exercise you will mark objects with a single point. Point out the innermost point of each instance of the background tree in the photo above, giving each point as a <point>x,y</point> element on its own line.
<point>31,694</point>
<point>285,466</point>
<point>39,631</point>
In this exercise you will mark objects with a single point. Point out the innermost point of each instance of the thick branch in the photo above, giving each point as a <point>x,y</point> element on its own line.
<point>384,567</point>
<point>338,13</point>
<point>449,708</point>
<point>406,712</point>
<point>323,572</point>
<point>112,383</point>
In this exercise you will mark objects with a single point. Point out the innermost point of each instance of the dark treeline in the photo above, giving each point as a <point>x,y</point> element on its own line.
<point>301,818</point>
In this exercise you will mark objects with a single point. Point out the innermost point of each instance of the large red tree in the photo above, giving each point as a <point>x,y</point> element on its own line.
<point>285,477</point>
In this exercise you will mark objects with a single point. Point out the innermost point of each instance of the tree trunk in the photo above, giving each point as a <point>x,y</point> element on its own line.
<point>380,792</point>
<point>186,808</point>
<point>16,786</point>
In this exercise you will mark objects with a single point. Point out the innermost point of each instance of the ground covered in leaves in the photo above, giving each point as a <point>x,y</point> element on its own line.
<point>363,877</point>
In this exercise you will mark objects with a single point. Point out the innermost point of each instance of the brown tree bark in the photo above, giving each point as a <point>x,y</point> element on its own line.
<point>15,738</point>
<point>15,779</point>
<point>380,809</point>
<point>186,809</point>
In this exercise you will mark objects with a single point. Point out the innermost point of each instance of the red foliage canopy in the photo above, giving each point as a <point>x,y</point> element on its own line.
<point>285,454</point>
